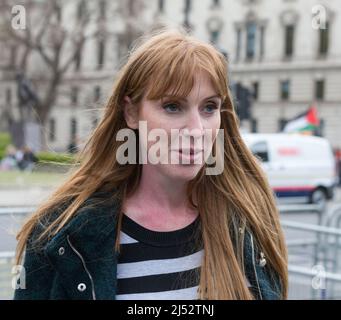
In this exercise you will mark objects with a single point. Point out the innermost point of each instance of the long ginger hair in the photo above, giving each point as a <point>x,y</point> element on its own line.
<point>240,196</point>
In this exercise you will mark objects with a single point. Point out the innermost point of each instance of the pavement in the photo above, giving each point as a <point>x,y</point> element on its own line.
<point>24,197</point>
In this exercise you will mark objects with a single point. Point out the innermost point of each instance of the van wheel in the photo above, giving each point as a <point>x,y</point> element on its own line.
<point>319,197</point>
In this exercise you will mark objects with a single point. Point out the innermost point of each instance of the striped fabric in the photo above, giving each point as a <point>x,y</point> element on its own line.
<point>158,265</point>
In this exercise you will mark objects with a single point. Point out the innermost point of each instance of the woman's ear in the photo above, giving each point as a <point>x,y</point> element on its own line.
<point>130,113</point>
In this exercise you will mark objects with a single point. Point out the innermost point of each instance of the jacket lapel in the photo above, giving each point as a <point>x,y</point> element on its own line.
<point>83,253</point>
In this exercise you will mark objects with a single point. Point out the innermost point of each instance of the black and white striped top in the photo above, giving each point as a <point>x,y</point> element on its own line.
<point>158,265</point>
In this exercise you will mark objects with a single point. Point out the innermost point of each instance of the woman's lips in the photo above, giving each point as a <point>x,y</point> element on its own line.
<point>190,151</point>
<point>189,156</point>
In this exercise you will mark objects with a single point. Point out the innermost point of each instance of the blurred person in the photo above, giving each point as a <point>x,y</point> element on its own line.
<point>73,147</point>
<point>178,232</point>
<point>9,161</point>
<point>28,159</point>
<point>19,154</point>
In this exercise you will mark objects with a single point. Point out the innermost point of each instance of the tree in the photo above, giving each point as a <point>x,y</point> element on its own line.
<point>45,50</point>
<point>131,13</point>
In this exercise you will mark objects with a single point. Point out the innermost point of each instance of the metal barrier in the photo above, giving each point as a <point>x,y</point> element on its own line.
<point>6,211</point>
<point>321,271</point>
<point>313,283</point>
<point>7,257</point>
<point>6,264</point>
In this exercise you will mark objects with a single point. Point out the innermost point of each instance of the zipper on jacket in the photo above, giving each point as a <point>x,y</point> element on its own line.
<point>85,267</point>
<point>254,267</point>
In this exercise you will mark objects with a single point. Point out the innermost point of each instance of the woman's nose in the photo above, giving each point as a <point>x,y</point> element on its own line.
<point>194,123</point>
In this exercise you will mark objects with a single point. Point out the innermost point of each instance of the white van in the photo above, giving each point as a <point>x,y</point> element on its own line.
<point>300,168</point>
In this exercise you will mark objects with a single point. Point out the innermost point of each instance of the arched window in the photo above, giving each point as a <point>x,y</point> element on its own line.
<point>251,29</point>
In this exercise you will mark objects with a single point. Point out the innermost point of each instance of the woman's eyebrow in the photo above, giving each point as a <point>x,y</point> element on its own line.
<point>184,99</point>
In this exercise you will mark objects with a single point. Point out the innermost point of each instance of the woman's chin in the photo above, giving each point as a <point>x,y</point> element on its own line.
<point>184,172</point>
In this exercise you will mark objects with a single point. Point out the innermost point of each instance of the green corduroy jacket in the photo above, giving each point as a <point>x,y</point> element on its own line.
<point>79,262</point>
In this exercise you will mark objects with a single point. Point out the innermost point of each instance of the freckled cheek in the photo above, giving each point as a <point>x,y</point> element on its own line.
<point>160,122</point>
<point>156,123</point>
<point>156,120</point>
<point>213,125</point>
<point>216,121</point>
<point>167,126</point>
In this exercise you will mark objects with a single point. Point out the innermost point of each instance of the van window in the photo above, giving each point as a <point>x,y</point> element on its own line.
<point>260,150</point>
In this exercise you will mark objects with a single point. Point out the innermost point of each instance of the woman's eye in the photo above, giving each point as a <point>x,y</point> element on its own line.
<point>210,108</point>
<point>171,108</point>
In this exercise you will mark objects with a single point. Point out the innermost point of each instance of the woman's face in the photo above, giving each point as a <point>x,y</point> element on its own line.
<point>185,122</point>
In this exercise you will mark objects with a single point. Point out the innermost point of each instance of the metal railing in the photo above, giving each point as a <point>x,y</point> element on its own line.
<point>319,275</point>
<point>6,263</point>
<point>7,257</point>
<point>6,211</point>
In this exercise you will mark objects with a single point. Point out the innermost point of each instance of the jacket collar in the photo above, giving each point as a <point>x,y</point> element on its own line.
<point>86,243</point>
<point>89,228</point>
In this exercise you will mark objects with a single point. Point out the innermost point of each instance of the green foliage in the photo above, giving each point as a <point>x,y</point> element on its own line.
<point>5,140</point>
<point>54,157</point>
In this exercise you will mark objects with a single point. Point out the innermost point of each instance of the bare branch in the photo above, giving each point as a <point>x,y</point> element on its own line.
<point>77,47</point>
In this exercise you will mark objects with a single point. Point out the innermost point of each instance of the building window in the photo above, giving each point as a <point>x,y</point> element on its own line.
<point>100,53</point>
<point>97,93</point>
<point>78,59</point>
<point>188,7</point>
<point>161,6</point>
<point>8,96</point>
<point>281,124</point>
<point>289,40</point>
<point>262,41</point>
<point>81,10</point>
<point>73,129</point>
<point>238,43</point>
<point>131,8</point>
<point>13,50</point>
<point>324,40</point>
<point>52,129</point>
<point>254,125</point>
<point>319,89</point>
<point>74,95</point>
<point>250,40</point>
<point>58,12</point>
<point>285,90</point>
<point>255,90</point>
<point>214,36</point>
<point>102,9</point>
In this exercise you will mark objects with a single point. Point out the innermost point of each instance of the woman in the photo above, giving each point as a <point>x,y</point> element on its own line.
<point>160,230</point>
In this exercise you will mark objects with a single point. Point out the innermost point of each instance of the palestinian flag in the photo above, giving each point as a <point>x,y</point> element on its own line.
<point>306,122</point>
